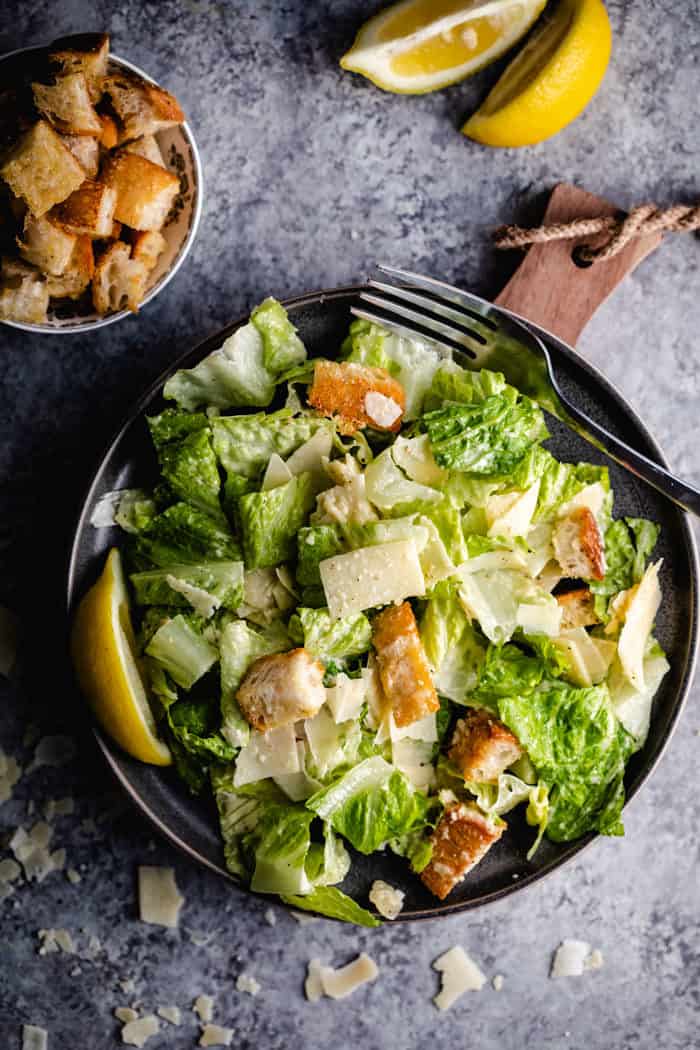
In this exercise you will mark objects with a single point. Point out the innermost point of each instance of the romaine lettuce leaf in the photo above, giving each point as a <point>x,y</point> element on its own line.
<point>389,489</point>
<point>190,468</point>
<point>456,385</point>
<point>282,347</point>
<point>489,437</point>
<point>411,361</point>
<point>329,639</point>
<point>271,520</point>
<point>451,644</point>
<point>182,651</point>
<point>372,804</point>
<point>629,543</point>
<point>333,904</point>
<point>195,723</point>
<point>206,587</point>
<point>560,482</point>
<point>185,535</point>
<point>174,424</point>
<point>244,444</point>
<point>314,543</point>
<point>234,376</point>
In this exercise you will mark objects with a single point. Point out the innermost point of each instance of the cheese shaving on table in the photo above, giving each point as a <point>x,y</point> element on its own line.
<point>460,974</point>
<point>338,984</point>
<point>125,1014</point>
<point>246,983</point>
<point>170,1013</point>
<point>497,982</point>
<point>204,1007</point>
<point>313,989</point>
<point>270,917</point>
<point>572,958</point>
<point>55,941</point>
<point>34,1038</point>
<point>215,1035</point>
<point>137,1033</point>
<point>387,899</point>
<point>159,899</point>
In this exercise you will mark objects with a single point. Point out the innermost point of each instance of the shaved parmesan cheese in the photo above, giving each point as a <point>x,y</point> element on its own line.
<point>170,1013</point>
<point>497,982</point>
<point>34,1038</point>
<point>125,1014</point>
<point>215,1035</point>
<point>382,410</point>
<point>204,1007</point>
<point>107,507</point>
<point>346,697</point>
<point>9,872</point>
<point>542,617</point>
<point>460,974</point>
<point>434,559</point>
<point>494,561</point>
<point>338,984</point>
<point>246,983</point>
<point>376,701</point>
<point>309,457</point>
<point>203,603</point>
<point>159,899</point>
<point>74,876</point>
<point>414,759</point>
<point>639,621</point>
<point>10,772</point>
<point>136,1033</point>
<point>277,473</point>
<point>595,960</point>
<point>298,786</point>
<point>510,515</point>
<point>55,941</point>
<point>271,754</point>
<point>31,850</point>
<point>633,707</point>
<point>325,740</point>
<point>570,959</point>
<point>387,899</point>
<point>592,496</point>
<point>369,576</point>
<point>270,917</point>
<point>313,989</point>
<point>588,658</point>
<point>9,641</point>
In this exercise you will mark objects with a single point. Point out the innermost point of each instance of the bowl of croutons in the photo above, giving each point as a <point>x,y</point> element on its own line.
<point>100,186</point>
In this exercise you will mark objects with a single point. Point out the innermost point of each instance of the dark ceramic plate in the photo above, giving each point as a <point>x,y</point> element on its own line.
<point>322,320</point>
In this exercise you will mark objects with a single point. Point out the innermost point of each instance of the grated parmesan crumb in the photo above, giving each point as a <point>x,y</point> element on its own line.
<point>313,989</point>
<point>215,1035</point>
<point>137,1033</point>
<point>387,899</point>
<point>497,982</point>
<point>125,1014</point>
<point>170,1013</point>
<point>572,958</point>
<point>34,1038</point>
<point>270,917</point>
<point>247,983</point>
<point>74,876</point>
<point>52,941</point>
<point>204,1007</point>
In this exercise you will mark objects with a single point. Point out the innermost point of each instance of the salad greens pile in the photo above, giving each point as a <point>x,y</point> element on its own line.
<point>226,558</point>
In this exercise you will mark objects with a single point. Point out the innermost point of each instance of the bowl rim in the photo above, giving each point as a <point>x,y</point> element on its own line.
<point>185,248</point>
<point>573,849</point>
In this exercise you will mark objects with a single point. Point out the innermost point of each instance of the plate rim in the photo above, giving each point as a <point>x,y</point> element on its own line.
<point>442,908</point>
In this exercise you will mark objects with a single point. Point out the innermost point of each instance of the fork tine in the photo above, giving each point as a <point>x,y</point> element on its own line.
<point>430,327</point>
<point>438,309</point>
<point>395,324</point>
<point>480,309</point>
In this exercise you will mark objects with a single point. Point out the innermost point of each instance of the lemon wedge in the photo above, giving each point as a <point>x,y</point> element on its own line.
<point>103,650</point>
<point>417,46</point>
<point>550,81</point>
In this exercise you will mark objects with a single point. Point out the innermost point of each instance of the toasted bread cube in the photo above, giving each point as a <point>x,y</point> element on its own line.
<point>578,545</point>
<point>86,150</point>
<point>109,136</point>
<point>86,53</point>
<point>119,282</point>
<point>147,146</point>
<point>41,169</point>
<point>77,275</point>
<point>67,105</point>
<point>463,836</point>
<point>403,665</point>
<point>23,294</point>
<point>142,108</point>
<point>357,396</point>
<point>281,689</point>
<point>146,247</point>
<point>46,245</point>
<point>578,609</point>
<point>482,747</point>
<point>90,210</point>
<point>145,191</point>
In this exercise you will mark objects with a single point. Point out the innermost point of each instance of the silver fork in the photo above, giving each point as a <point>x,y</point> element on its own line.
<point>477,335</point>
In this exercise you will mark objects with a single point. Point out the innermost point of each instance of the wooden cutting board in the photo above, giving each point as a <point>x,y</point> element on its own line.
<point>550,289</point>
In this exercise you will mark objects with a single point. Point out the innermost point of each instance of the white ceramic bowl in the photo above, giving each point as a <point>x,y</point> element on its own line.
<point>181,156</point>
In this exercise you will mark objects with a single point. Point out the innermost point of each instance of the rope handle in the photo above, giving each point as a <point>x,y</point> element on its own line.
<point>639,222</point>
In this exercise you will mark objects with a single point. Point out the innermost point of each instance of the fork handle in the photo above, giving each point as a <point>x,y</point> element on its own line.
<point>680,492</point>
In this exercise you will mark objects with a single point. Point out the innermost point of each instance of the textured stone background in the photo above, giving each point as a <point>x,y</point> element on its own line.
<point>311,176</point>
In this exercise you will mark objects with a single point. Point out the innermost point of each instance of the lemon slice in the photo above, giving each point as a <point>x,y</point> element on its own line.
<point>103,649</point>
<point>421,45</point>
<point>551,81</point>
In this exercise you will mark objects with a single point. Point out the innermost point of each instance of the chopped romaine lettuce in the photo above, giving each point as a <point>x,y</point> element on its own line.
<point>390,490</point>
<point>234,376</point>
<point>185,535</point>
<point>271,520</point>
<point>329,639</point>
<point>451,644</point>
<point>629,543</point>
<point>206,587</point>
<point>454,385</point>
<point>244,444</point>
<point>412,361</point>
<point>333,904</point>
<point>182,651</point>
<point>195,723</point>
<point>174,424</point>
<point>282,347</point>
<point>314,543</point>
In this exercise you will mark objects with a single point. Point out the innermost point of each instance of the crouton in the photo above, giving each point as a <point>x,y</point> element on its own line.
<point>89,210</point>
<point>357,396</point>
<point>67,105</point>
<point>119,282</point>
<point>86,150</point>
<point>281,689</point>
<point>578,609</point>
<point>482,747</point>
<point>86,53</point>
<point>578,545</point>
<point>463,836</point>
<point>147,147</point>
<point>109,136</point>
<point>41,169</point>
<point>146,247</point>
<point>403,666</point>
<point>142,108</point>
<point>23,293</point>
<point>145,191</point>
<point>77,276</point>
<point>46,245</point>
